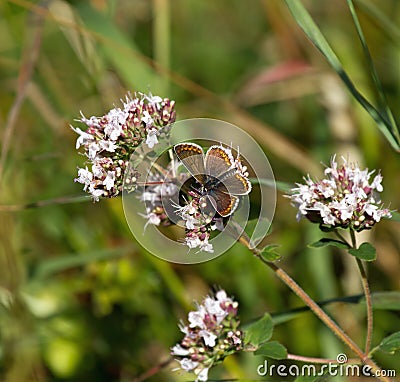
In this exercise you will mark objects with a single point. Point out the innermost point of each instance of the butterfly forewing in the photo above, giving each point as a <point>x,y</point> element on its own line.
<point>218,161</point>
<point>192,157</point>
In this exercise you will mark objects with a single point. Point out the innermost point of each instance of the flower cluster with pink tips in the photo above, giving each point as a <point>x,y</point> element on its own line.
<point>109,141</point>
<point>211,335</point>
<point>346,198</point>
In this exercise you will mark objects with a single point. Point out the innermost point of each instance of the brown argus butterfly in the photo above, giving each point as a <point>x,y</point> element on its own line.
<point>220,181</point>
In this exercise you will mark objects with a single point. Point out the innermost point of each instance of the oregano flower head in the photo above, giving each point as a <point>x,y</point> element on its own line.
<point>110,140</point>
<point>211,335</point>
<point>347,197</point>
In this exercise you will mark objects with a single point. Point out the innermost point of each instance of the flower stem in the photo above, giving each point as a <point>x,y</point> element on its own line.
<point>368,299</point>
<point>283,276</point>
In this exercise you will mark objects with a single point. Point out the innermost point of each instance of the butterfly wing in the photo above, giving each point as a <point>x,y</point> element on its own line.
<point>224,203</point>
<point>192,157</point>
<point>236,184</point>
<point>219,160</point>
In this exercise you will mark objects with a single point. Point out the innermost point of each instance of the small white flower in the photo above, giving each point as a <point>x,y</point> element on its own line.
<point>206,246</point>
<point>151,139</point>
<point>372,210</point>
<point>193,242</point>
<point>202,375</point>
<point>190,221</point>
<point>376,183</point>
<point>196,318</point>
<point>109,181</point>
<point>153,219</point>
<point>147,119</point>
<point>97,170</point>
<point>187,364</point>
<point>179,350</point>
<point>96,193</point>
<point>153,100</point>
<point>208,337</point>
<point>91,122</point>
<point>108,146</point>
<point>85,177</point>
<point>93,149</point>
<point>83,138</point>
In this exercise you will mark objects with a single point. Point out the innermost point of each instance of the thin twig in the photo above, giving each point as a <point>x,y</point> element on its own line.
<point>43,203</point>
<point>301,358</point>
<point>154,370</point>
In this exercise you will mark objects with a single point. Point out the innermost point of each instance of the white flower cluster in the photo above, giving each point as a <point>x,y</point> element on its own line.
<point>110,140</point>
<point>212,335</point>
<point>158,193</point>
<point>198,224</point>
<point>346,198</point>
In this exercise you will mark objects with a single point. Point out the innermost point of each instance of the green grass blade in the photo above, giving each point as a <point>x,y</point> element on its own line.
<point>312,31</point>
<point>382,98</point>
<point>391,30</point>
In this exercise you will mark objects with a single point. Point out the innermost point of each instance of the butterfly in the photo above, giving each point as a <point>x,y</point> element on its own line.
<point>216,172</point>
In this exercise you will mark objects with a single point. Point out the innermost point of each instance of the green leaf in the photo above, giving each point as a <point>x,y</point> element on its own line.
<point>312,31</point>
<point>396,216</point>
<point>390,344</point>
<point>273,350</point>
<point>260,331</point>
<point>269,253</point>
<point>324,242</point>
<point>366,252</point>
<point>281,186</point>
<point>385,300</point>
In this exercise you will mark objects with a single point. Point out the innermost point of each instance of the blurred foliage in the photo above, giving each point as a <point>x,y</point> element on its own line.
<point>79,300</point>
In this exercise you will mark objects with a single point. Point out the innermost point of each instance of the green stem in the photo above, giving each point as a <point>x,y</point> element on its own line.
<point>368,301</point>
<point>367,292</point>
<point>341,237</point>
<point>283,276</point>
<point>161,39</point>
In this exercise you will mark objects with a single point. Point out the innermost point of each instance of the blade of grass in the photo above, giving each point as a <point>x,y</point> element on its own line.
<point>307,24</point>
<point>391,29</point>
<point>382,98</point>
<point>161,39</point>
<point>62,263</point>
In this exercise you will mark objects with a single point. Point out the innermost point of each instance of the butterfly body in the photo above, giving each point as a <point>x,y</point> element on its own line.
<point>219,182</point>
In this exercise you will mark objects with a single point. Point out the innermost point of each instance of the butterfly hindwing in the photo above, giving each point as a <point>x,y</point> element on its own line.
<point>237,184</point>
<point>224,203</point>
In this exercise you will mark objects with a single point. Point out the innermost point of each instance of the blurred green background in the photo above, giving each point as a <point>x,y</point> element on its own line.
<point>80,300</point>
